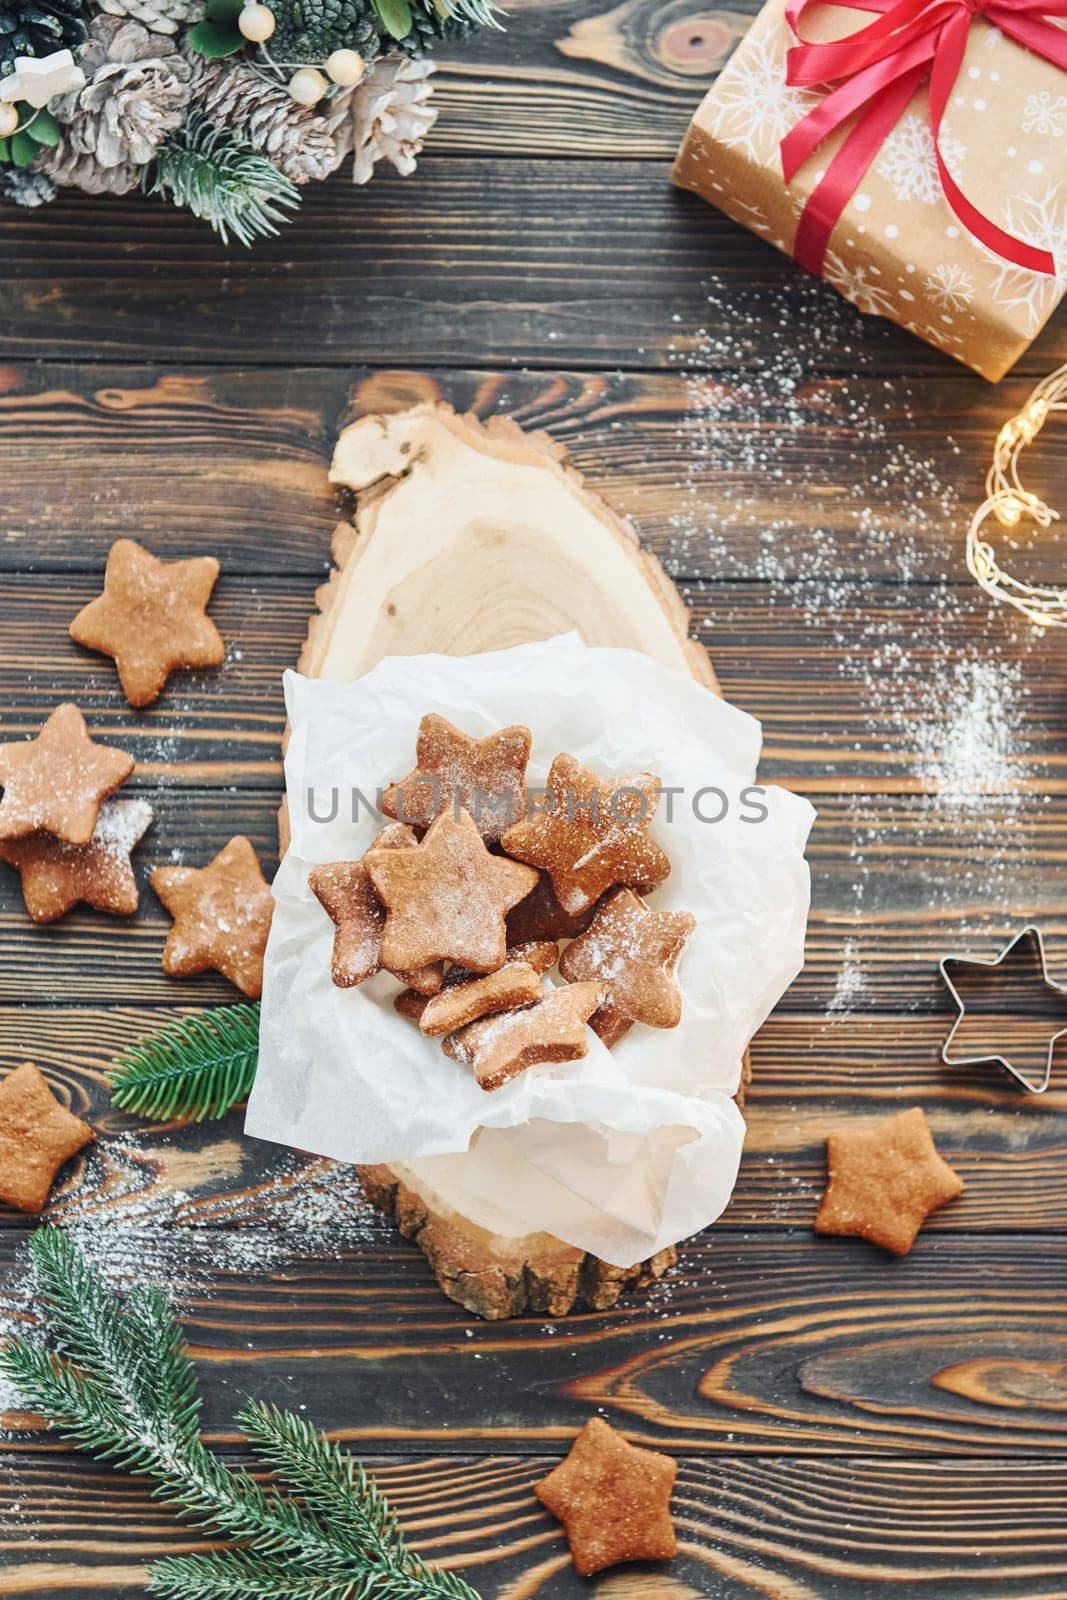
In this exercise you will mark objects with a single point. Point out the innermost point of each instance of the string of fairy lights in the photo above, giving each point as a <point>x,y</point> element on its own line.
<point>1009,502</point>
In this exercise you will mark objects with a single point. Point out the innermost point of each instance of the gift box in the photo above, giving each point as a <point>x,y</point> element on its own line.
<point>978,277</point>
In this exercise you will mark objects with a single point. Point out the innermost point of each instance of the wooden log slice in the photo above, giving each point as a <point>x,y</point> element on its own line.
<point>467,537</point>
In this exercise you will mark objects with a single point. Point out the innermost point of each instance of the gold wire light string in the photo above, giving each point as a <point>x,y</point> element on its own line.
<point>1009,502</point>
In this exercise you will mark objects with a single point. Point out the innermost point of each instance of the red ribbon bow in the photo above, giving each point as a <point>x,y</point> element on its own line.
<point>877,71</point>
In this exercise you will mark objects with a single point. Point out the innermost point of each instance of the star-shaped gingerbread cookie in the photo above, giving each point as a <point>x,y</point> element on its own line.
<point>446,900</point>
<point>37,1135</point>
<point>591,834</point>
<point>222,915</point>
<point>346,894</point>
<point>484,777</point>
<point>540,916</point>
<point>554,1029</point>
<point>58,876</point>
<point>151,618</point>
<point>885,1179</point>
<point>512,985</point>
<point>57,782</point>
<point>634,952</point>
<point>541,955</point>
<point>613,1499</point>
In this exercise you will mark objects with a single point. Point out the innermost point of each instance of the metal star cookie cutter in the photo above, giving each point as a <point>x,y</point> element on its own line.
<point>1033,935</point>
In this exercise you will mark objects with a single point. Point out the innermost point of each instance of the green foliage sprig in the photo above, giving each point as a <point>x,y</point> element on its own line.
<point>217,35</point>
<point>222,179</point>
<point>121,1385</point>
<point>196,1068</point>
<point>36,130</point>
<point>479,13</point>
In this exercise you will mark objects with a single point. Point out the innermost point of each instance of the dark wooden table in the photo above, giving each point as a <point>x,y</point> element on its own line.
<point>846,1425</point>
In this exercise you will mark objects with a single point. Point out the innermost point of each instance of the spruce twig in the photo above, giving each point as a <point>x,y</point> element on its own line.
<point>196,1068</point>
<point>223,179</point>
<point>479,13</point>
<point>121,1386</point>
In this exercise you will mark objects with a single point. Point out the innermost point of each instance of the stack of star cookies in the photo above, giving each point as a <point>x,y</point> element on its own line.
<point>69,840</point>
<point>467,893</point>
<point>58,825</point>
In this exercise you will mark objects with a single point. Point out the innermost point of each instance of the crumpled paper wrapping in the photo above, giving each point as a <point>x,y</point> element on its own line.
<point>628,1150</point>
<point>899,251</point>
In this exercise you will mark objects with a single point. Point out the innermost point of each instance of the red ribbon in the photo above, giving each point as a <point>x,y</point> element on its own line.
<point>876,72</point>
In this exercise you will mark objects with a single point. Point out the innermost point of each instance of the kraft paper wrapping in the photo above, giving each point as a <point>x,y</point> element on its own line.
<point>898,250</point>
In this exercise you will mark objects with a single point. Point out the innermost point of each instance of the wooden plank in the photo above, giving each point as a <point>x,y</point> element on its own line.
<point>971,1530</point>
<point>862,688</point>
<point>895,886</point>
<point>89,954</point>
<point>612,82</point>
<point>233,463</point>
<point>811,1074</point>
<point>758,1344</point>
<point>534,262</point>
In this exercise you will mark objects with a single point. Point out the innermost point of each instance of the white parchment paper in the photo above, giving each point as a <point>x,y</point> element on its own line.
<point>628,1150</point>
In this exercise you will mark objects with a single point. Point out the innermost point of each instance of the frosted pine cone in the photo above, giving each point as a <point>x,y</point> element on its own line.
<point>158,16</point>
<point>304,144</point>
<point>137,92</point>
<point>26,187</point>
<point>391,116</point>
<point>71,169</point>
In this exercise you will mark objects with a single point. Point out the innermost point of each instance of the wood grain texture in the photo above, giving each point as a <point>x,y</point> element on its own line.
<point>883,913</point>
<point>844,681</point>
<point>611,81</point>
<point>851,1426</point>
<point>811,1074</point>
<point>749,1529</point>
<point>533,262</point>
<point>233,462</point>
<point>756,1343</point>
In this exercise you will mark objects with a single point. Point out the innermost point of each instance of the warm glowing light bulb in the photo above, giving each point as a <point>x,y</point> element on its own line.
<point>1032,420</point>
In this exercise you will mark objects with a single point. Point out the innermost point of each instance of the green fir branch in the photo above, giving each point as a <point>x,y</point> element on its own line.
<point>327,1479</point>
<point>479,13</point>
<point>222,179</point>
<point>243,1575</point>
<point>196,1068</point>
<point>121,1385</point>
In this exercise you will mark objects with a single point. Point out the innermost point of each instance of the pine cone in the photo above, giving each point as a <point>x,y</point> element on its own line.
<point>429,29</point>
<point>137,92</point>
<point>307,31</point>
<point>158,16</point>
<point>37,28</point>
<point>26,187</point>
<point>391,115</point>
<point>71,169</point>
<point>304,144</point>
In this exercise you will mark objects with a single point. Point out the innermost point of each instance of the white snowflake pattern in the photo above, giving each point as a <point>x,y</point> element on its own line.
<point>755,107</point>
<point>907,160</point>
<point>1040,220</point>
<point>950,287</point>
<point>858,283</point>
<point>937,333</point>
<point>1042,114</point>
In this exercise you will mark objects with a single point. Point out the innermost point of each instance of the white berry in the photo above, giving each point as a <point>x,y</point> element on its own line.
<point>9,120</point>
<point>256,22</point>
<point>307,86</point>
<point>345,68</point>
